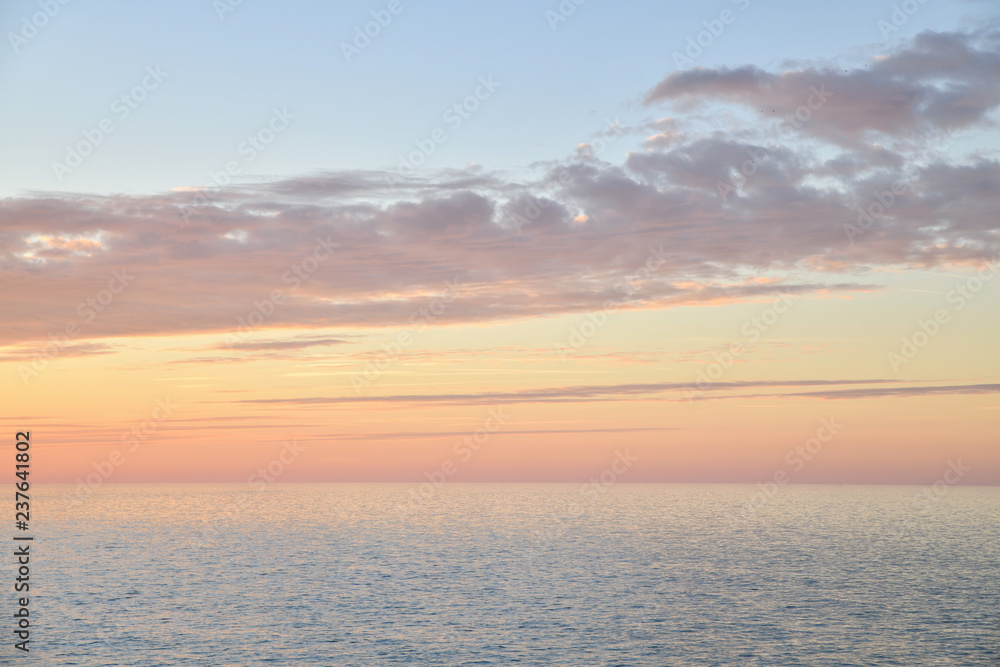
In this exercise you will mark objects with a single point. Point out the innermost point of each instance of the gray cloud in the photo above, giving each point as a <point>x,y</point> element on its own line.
<point>940,81</point>
<point>399,241</point>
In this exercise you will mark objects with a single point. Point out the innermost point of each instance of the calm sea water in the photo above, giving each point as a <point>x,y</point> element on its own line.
<point>302,574</point>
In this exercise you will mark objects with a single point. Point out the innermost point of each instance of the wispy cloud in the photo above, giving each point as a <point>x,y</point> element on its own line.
<point>280,345</point>
<point>83,349</point>
<point>415,435</point>
<point>580,393</point>
<point>881,392</point>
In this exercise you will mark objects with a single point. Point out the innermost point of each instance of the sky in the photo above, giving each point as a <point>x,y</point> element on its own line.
<point>524,241</point>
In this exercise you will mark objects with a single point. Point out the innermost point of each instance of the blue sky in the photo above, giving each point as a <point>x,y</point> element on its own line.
<point>224,78</point>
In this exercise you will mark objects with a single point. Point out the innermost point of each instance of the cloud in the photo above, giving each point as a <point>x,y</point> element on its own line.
<point>278,345</point>
<point>413,435</point>
<point>939,82</point>
<point>573,238</point>
<point>244,351</point>
<point>83,349</point>
<point>882,392</point>
<point>574,394</point>
<point>653,391</point>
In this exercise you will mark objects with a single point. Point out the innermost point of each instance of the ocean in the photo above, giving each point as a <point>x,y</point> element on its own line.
<point>502,574</point>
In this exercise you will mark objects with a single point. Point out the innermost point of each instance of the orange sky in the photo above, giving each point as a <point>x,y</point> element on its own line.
<point>162,408</point>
